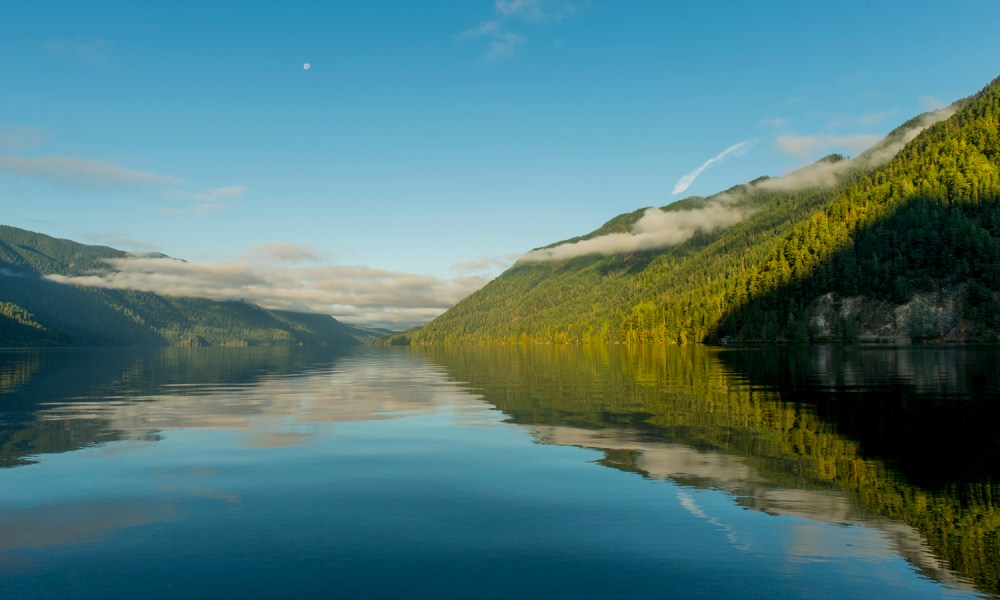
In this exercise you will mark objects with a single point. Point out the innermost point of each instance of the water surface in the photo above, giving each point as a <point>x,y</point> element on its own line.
<point>500,472</point>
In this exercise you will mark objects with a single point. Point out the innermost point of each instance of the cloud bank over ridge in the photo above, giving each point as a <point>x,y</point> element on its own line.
<point>282,276</point>
<point>659,228</point>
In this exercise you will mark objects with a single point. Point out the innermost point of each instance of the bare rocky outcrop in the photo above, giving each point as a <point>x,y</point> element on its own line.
<point>926,316</point>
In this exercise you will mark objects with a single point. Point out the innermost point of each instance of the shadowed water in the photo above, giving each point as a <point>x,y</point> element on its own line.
<point>500,472</point>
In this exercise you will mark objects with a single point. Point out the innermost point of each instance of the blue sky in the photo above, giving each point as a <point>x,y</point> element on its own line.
<point>430,143</point>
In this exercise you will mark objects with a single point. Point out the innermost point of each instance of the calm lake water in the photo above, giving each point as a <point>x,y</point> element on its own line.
<point>578,472</point>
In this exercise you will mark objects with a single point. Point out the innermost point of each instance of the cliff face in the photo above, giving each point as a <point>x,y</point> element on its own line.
<point>927,316</point>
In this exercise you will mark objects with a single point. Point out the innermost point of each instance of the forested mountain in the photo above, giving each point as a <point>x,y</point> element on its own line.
<point>35,311</point>
<point>900,243</point>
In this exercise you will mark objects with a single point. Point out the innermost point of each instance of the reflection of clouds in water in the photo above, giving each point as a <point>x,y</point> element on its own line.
<point>688,503</point>
<point>191,482</point>
<point>290,410</point>
<point>27,530</point>
<point>75,522</point>
<point>816,512</point>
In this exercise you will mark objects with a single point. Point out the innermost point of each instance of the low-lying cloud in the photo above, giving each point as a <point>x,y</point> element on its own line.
<point>272,276</point>
<point>808,146</point>
<point>655,229</point>
<point>735,150</point>
<point>827,174</point>
<point>660,228</point>
<point>483,264</point>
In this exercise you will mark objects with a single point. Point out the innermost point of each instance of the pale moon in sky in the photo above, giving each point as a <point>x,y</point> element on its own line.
<point>307,66</point>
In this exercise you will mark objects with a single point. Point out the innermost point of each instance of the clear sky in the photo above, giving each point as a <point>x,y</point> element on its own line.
<point>431,142</point>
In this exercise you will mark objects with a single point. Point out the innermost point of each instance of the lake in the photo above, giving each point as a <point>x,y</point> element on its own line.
<point>577,472</point>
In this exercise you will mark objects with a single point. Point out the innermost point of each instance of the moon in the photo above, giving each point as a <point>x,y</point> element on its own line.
<point>306,66</point>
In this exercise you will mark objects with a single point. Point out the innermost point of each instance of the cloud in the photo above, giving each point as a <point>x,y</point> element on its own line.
<point>21,138</point>
<point>356,294</point>
<point>735,150</point>
<point>660,229</point>
<point>79,172</point>
<point>775,122</point>
<point>655,229</point>
<point>95,53</point>
<point>206,203</point>
<point>483,264</point>
<point>930,103</point>
<point>809,146</point>
<point>214,201</point>
<point>503,43</point>
<point>226,192</point>
<point>826,174</point>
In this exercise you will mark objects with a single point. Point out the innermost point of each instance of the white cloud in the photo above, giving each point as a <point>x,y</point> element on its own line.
<point>226,192</point>
<point>930,103</point>
<point>483,264</point>
<point>655,229</point>
<point>660,229</point>
<point>735,150</point>
<point>79,172</point>
<point>503,45</point>
<point>775,122</point>
<point>810,146</point>
<point>878,153</point>
<point>357,294</point>
<point>502,42</point>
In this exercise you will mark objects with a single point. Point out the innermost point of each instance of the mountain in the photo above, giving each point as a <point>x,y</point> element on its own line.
<point>35,311</point>
<point>899,243</point>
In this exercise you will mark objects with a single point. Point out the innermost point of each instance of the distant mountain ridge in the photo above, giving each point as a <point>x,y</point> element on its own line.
<point>35,311</point>
<point>901,243</point>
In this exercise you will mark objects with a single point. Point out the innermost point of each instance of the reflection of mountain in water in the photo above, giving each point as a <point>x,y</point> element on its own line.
<point>274,396</point>
<point>798,433</point>
<point>930,412</point>
<point>750,422</point>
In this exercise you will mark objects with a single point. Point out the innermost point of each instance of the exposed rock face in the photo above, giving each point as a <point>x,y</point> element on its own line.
<point>926,316</point>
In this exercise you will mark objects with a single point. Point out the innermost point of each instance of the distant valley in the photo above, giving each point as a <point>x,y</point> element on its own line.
<point>36,311</point>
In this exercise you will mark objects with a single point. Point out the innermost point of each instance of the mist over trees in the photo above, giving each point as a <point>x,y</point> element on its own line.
<point>917,213</point>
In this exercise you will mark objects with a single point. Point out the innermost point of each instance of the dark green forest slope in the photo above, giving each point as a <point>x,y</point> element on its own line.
<point>37,312</point>
<point>907,248</point>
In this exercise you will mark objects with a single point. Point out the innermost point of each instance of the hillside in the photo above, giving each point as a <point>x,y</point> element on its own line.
<point>35,311</point>
<point>901,242</point>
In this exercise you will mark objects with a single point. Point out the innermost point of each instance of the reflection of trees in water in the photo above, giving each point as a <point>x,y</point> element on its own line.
<point>930,412</point>
<point>16,370</point>
<point>898,434</point>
